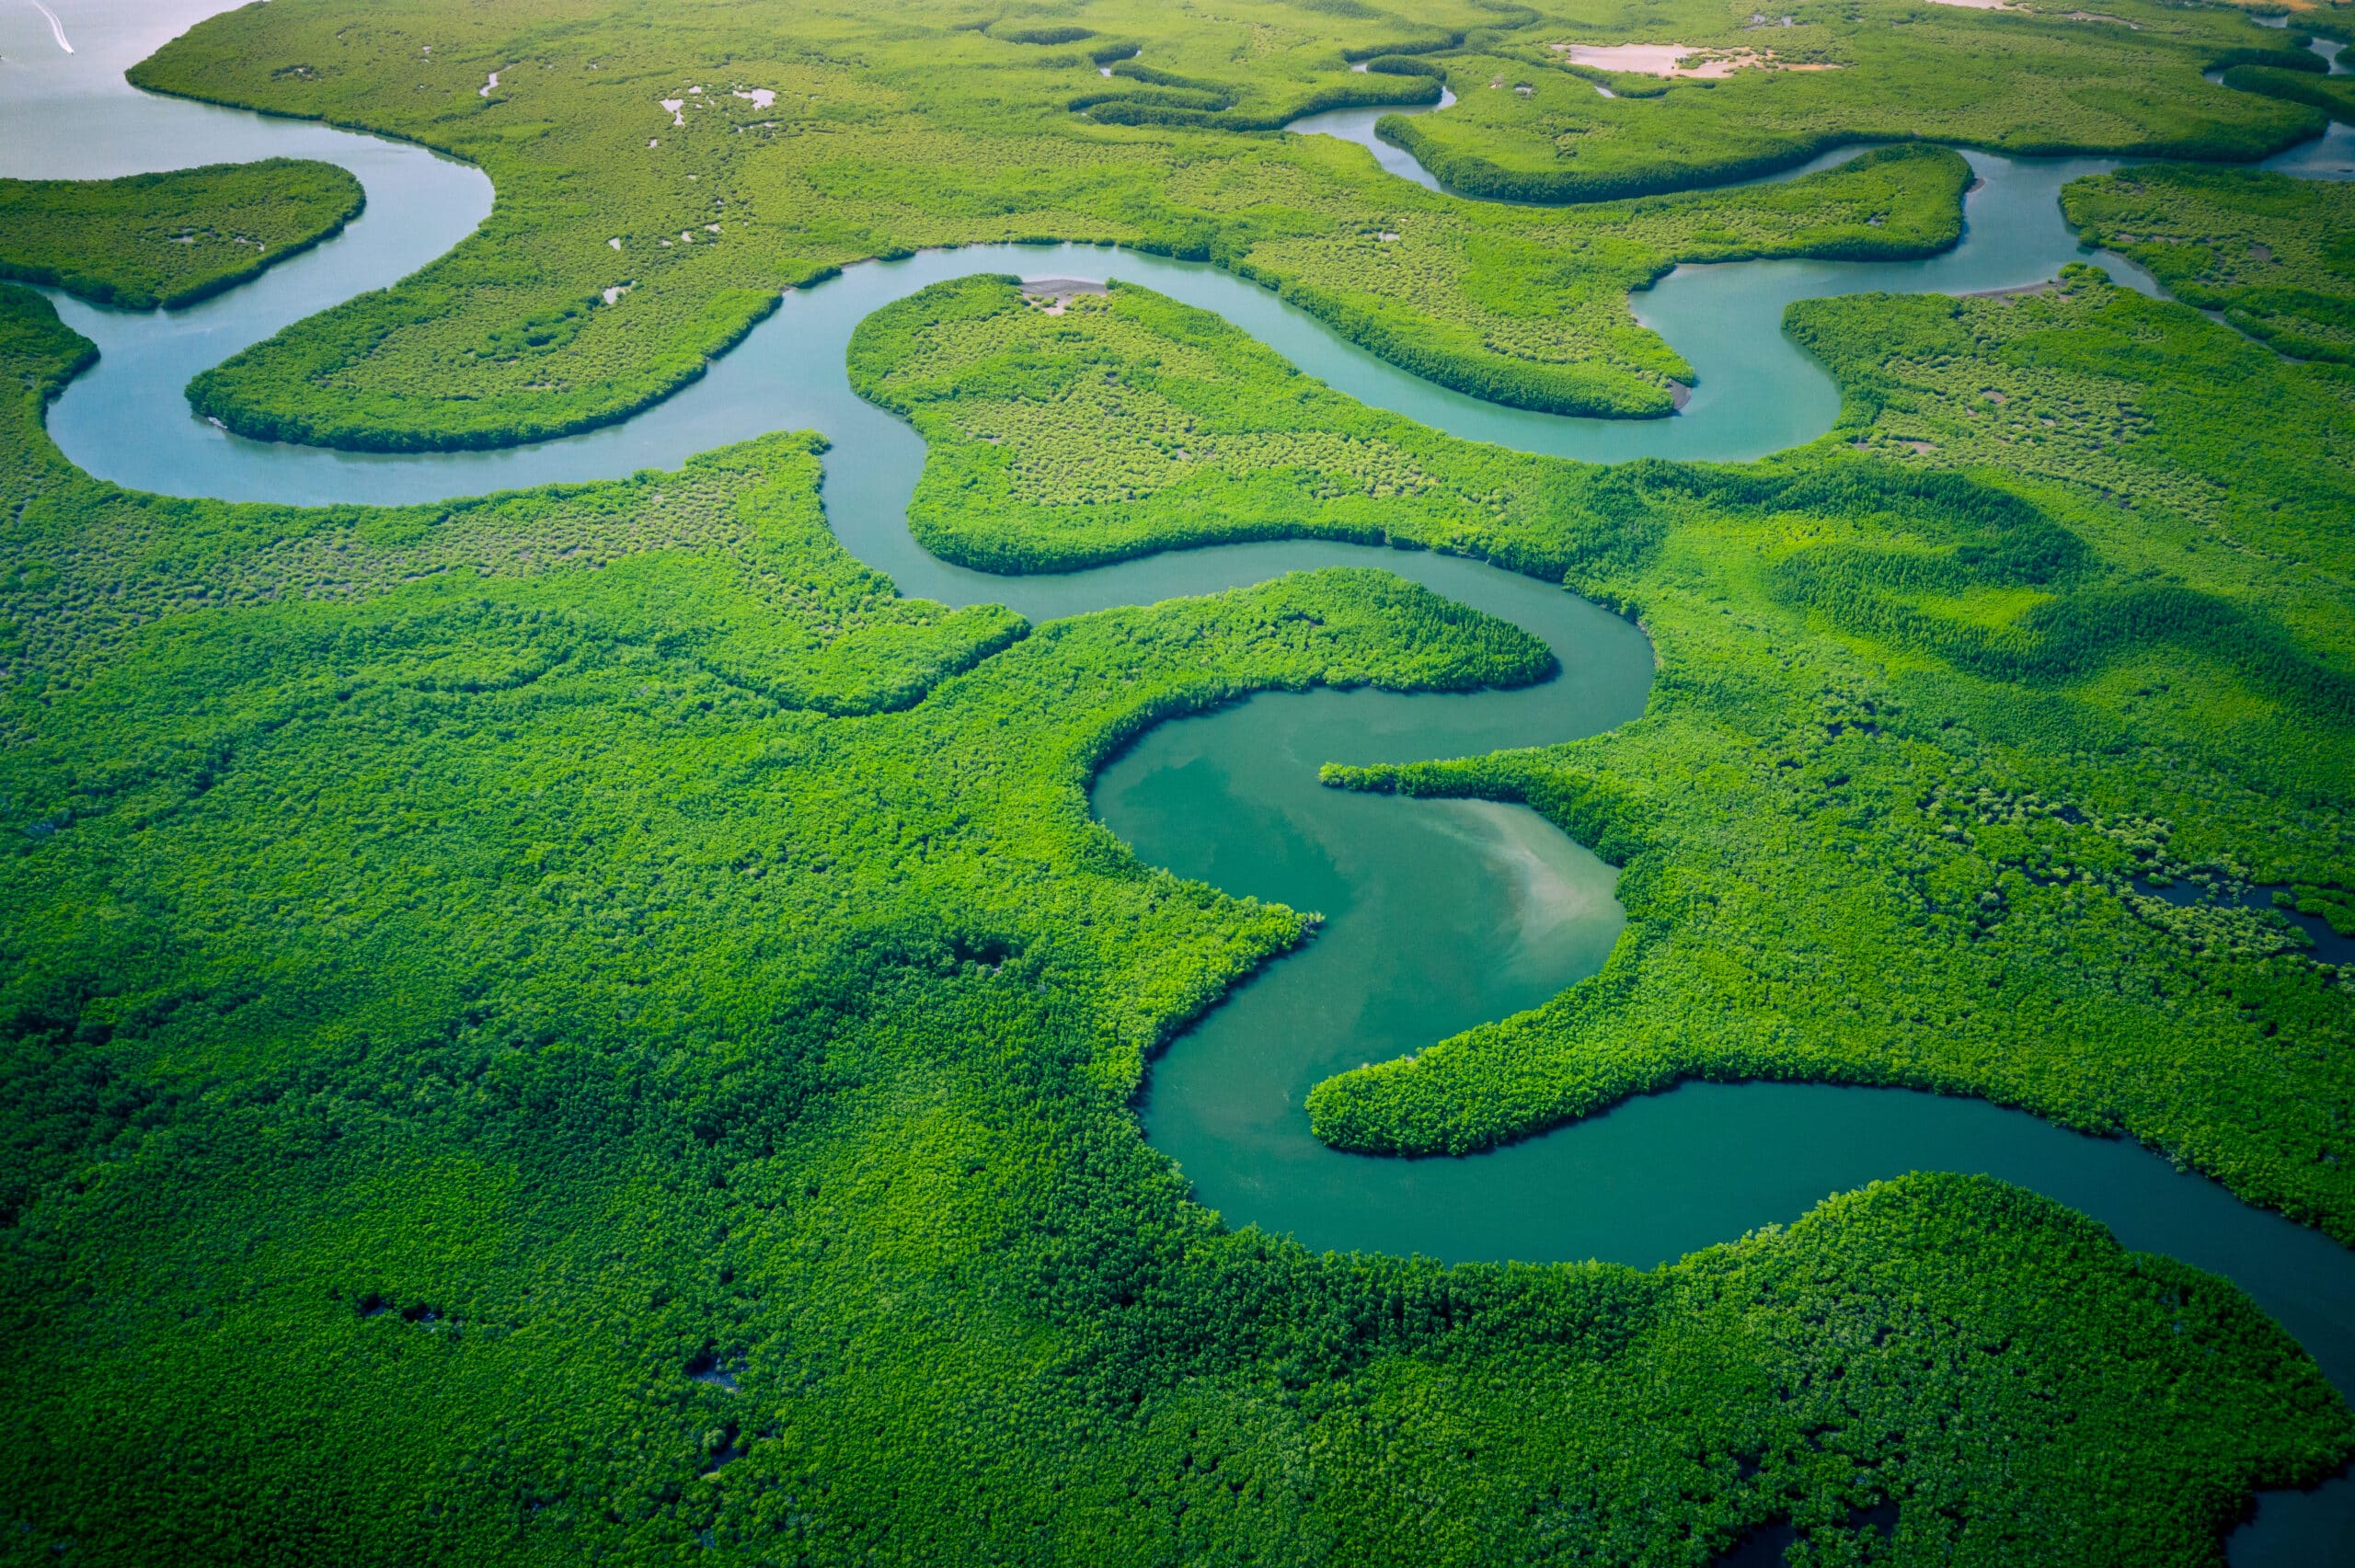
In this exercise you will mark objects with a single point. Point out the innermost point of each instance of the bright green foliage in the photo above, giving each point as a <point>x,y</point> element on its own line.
<point>1913,740</point>
<point>458,1014</point>
<point>2334,905</point>
<point>577,1025</point>
<point>2239,463</point>
<point>1126,423</point>
<point>1529,126</point>
<point>2036,707</point>
<point>2335,96</point>
<point>170,239</point>
<point>1529,308</point>
<point>915,126</point>
<point>2199,231</point>
<point>782,610</point>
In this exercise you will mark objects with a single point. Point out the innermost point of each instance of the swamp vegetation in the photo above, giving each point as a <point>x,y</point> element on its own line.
<point>2275,255</point>
<point>488,995</point>
<point>1936,700</point>
<point>857,137</point>
<point>579,1025</point>
<point>169,239</point>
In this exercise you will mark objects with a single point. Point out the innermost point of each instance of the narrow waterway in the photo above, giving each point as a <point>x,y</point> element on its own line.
<point>1440,915</point>
<point>128,420</point>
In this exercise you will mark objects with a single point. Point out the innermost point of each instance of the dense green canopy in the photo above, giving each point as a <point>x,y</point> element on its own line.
<point>581,1025</point>
<point>169,239</point>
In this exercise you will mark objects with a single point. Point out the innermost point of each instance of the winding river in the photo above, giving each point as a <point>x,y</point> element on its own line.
<point>1501,909</point>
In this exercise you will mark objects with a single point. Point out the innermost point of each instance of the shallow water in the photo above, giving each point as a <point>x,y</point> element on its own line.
<point>2331,155</point>
<point>1440,914</point>
<point>1357,125</point>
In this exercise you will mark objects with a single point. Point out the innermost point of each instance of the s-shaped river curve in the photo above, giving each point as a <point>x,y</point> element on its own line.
<point>1499,909</point>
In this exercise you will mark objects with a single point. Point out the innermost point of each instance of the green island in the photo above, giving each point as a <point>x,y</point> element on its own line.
<point>578,1023</point>
<point>171,239</point>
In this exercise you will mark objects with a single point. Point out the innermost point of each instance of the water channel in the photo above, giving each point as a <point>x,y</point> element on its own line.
<point>1497,909</point>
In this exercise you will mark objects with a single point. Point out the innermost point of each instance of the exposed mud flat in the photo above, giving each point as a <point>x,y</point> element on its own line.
<point>1673,60</point>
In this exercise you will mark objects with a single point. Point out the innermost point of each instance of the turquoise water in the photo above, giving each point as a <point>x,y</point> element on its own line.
<point>1757,392</point>
<point>1357,125</point>
<point>1440,915</point>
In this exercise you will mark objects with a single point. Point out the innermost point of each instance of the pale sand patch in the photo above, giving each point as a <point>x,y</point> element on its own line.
<point>613,294</point>
<point>762,96</point>
<point>1669,59</point>
<point>1546,877</point>
<point>671,107</point>
<point>615,243</point>
<point>484,91</point>
<point>1635,59</point>
<point>1051,294</point>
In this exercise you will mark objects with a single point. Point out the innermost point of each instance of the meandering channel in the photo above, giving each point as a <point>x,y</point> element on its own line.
<point>1500,910</point>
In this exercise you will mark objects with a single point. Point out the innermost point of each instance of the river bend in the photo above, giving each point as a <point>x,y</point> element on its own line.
<point>1501,909</point>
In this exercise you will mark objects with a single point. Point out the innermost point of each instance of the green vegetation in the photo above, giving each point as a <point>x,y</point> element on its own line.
<point>497,1070</point>
<point>2133,670</point>
<point>1530,126</point>
<point>850,137</point>
<point>2276,255</point>
<point>1128,423</point>
<point>578,1024</point>
<point>1523,307</point>
<point>1970,722</point>
<point>169,239</point>
<point>2335,96</point>
<point>2124,400</point>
